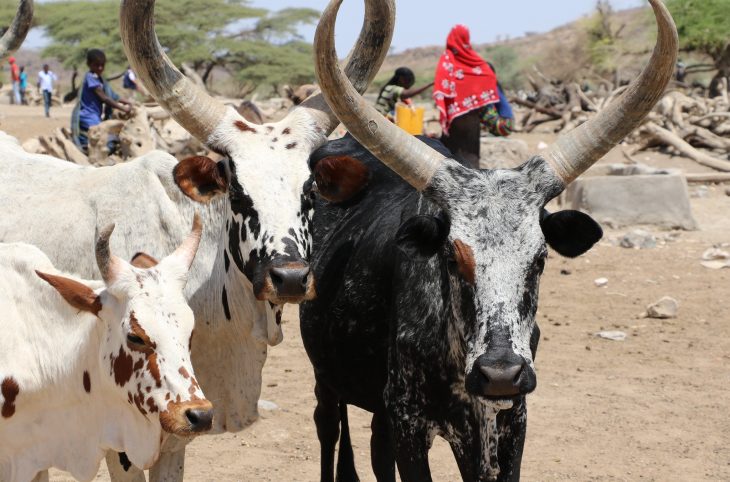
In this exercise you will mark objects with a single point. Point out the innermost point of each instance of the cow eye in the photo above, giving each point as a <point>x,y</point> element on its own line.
<point>132,338</point>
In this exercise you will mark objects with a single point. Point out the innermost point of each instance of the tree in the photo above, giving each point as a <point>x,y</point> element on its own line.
<point>208,34</point>
<point>704,26</point>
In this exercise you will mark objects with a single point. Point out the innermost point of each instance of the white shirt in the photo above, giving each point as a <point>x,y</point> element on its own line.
<point>46,80</point>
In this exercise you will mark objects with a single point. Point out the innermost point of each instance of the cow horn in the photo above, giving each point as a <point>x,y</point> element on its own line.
<point>410,158</point>
<point>189,247</point>
<point>575,151</point>
<point>188,104</point>
<point>364,60</point>
<point>16,32</point>
<point>109,265</point>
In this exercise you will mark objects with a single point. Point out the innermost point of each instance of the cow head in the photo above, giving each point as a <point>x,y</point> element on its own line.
<point>492,227</point>
<point>146,348</point>
<point>264,173</point>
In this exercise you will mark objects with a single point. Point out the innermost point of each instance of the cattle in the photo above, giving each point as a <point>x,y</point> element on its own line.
<point>255,203</point>
<point>88,366</point>
<point>428,277</point>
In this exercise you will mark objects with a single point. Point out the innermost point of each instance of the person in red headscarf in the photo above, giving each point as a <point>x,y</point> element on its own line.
<point>15,78</point>
<point>468,96</point>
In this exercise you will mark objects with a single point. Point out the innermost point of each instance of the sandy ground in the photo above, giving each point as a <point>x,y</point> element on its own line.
<point>652,407</point>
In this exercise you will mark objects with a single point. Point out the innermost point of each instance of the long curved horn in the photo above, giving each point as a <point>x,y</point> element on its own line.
<point>577,150</point>
<point>189,247</point>
<point>109,265</point>
<point>187,103</point>
<point>15,34</point>
<point>364,60</point>
<point>410,158</point>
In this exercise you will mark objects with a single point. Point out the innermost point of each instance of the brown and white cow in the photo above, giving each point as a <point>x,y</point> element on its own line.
<point>90,366</point>
<point>256,204</point>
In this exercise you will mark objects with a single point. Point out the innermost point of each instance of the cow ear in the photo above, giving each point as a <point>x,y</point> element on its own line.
<point>76,294</point>
<point>421,236</point>
<point>340,178</point>
<point>570,233</point>
<point>200,178</point>
<point>143,260</point>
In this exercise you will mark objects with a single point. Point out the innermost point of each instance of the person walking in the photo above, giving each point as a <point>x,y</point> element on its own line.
<point>23,85</point>
<point>46,78</point>
<point>15,78</point>
<point>468,96</point>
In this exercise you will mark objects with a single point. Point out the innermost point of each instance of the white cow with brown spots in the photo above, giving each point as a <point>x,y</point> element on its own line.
<point>91,366</point>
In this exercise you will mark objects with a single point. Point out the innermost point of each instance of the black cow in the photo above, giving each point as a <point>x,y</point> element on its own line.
<point>428,293</point>
<point>376,329</point>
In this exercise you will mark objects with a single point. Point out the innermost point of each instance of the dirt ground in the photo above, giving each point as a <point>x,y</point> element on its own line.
<point>652,407</point>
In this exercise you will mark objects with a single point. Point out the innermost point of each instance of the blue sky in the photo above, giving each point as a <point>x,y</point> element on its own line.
<point>421,22</point>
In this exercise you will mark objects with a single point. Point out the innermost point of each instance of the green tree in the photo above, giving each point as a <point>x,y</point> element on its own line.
<point>704,26</point>
<point>205,34</point>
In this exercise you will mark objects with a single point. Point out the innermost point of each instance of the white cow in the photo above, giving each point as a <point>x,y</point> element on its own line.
<point>256,204</point>
<point>90,366</point>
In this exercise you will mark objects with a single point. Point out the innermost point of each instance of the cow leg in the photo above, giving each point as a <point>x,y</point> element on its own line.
<point>120,470</point>
<point>170,467</point>
<point>382,447</point>
<point>411,451</point>
<point>345,458</point>
<point>327,421</point>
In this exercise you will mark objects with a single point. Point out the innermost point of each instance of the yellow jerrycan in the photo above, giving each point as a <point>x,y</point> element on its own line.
<point>409,118</point>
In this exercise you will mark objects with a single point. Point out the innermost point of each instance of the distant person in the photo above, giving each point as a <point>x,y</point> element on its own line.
<point>15,78</point>
<point>95,95</point>
<point>468,96</point>
<point>46,79</point>
<point>398,89</point>
<point>23,85</point>
<point>681,72</point>
<point>130,82</point>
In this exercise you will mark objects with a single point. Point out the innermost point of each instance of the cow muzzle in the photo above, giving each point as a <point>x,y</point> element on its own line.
<point>291,282</point>
<point>500,376</point>
<point>187,418</point>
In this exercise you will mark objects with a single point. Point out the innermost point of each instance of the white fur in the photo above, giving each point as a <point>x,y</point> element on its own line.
<point>46,347</point>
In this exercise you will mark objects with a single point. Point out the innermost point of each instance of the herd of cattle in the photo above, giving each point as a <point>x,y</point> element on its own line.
<point>417,276</point>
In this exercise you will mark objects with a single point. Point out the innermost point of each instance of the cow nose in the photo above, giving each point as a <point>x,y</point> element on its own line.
<point>502,380</point>
<point>288,281</point>
<point>200,420</point>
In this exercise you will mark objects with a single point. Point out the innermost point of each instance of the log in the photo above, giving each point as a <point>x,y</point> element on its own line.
<point>543,110</point>
<point>709,177</point>
<point>685,149</point>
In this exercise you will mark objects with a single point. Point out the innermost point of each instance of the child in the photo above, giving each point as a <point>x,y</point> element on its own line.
<point>23,85</point>
<point>94,96</point>
<point>397,89</point>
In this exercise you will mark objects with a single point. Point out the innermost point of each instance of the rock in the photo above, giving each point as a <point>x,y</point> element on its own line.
<point>717,264</point>
<point>267,405</point>
<point>700,192</point>
<point>611,335</point>
<point>565,272</point>
<point>659,200</point>
<point>541,145</point>
<point>727,191</point>
<point>664,308</point>
<point>638,239</point>
<point>600,282</point>
<point>715,253</point>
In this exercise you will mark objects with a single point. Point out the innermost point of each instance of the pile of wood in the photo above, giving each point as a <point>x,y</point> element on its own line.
<point>685,122</point>
<point>142,130</point>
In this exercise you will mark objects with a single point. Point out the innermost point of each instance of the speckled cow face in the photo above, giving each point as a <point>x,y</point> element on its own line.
<point>147,349</point>
<point>493,231</point>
